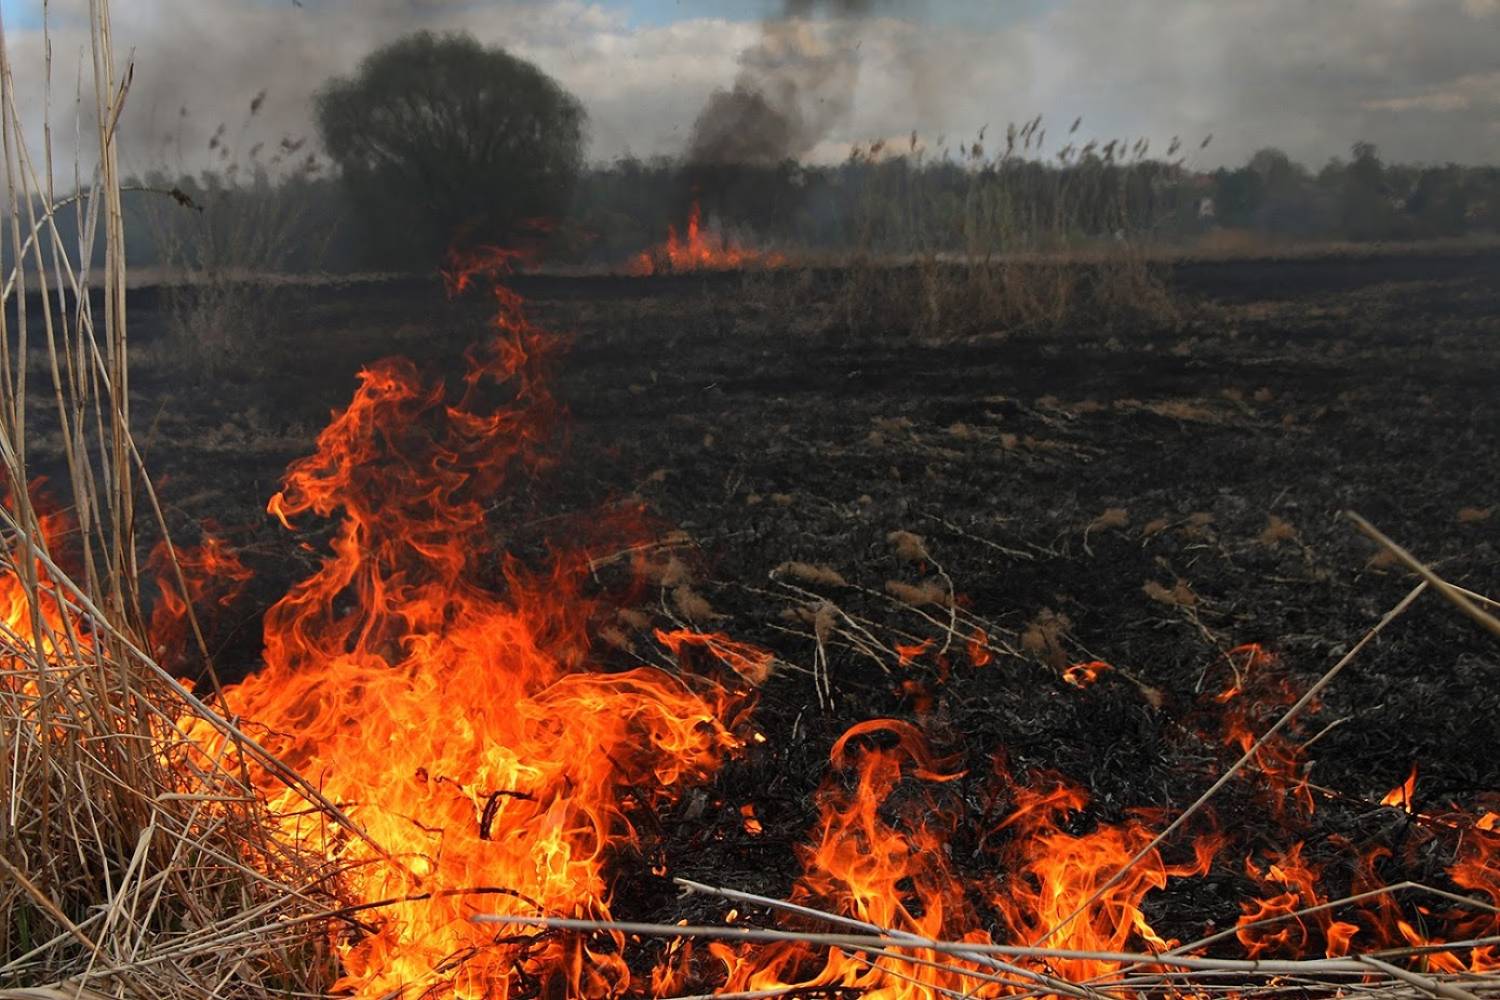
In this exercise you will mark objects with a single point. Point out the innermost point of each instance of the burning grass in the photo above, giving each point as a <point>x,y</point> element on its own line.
<point>485,791</point>
<point>434,786</point>
<point>697,250</point>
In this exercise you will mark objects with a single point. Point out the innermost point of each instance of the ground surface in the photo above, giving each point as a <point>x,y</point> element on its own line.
<point>1146,496</point>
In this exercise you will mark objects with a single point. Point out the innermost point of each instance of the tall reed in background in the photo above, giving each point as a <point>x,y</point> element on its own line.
<point>1005,240</point>
<point>229,232</point>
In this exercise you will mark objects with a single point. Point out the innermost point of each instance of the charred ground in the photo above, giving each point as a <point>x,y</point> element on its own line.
<point>1053,476</point>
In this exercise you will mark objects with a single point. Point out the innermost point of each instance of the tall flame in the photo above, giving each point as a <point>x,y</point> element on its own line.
<point>459,725</point>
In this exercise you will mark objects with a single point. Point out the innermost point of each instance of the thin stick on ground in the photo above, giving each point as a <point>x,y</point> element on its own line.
<point>986,960</point>
<point>1354,965</point>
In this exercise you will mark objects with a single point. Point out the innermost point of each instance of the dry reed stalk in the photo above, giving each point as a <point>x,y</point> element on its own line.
<point>133,850</point>
<point>1457,596</point>
<point>1051,982</point>
<point>1320,970</point>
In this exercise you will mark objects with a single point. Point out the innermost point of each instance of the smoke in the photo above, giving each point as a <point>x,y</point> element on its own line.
<point>795,85</point>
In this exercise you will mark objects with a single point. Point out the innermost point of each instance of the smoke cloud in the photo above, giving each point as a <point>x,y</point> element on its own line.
<point>795,85</point>
<point>1418,79</point>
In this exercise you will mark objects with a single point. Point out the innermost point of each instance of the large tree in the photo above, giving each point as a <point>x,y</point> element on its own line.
<point>444,142</point>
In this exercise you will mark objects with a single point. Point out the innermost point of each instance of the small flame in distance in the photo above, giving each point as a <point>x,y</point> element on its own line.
<point>696,251</point>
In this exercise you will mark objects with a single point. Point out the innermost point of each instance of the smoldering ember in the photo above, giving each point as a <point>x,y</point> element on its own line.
<point>645,500</point>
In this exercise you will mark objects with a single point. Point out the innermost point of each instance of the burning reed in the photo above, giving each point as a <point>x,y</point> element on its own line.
<point>433,787</point>
<point>135,864</point>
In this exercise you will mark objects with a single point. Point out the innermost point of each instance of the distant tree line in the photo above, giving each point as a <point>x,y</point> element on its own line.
<point>906,203</point>
<point>312,221</point>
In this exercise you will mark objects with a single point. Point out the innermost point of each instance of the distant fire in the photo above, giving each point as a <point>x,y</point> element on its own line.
<point>696,251</point>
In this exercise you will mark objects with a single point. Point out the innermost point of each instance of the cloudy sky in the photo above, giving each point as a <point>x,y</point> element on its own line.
<point>1421,78</point>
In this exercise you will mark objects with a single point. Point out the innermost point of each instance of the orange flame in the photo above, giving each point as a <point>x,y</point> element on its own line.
<point>979,649</point>
<point>693,251</point>
<point>750,662</point>
<point>1056,871</point>
<point>1271,926</point>
<point>1258,689</point>
<point>909,653</point>
<point>214,576</point>
<point>462,726</point>
<point>879,854</point>
<point>1402,795</point>
<point>1081,675</point>
<point>48,626</point>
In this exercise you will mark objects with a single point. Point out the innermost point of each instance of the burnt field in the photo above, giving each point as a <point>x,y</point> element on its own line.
<point>1105,552</point>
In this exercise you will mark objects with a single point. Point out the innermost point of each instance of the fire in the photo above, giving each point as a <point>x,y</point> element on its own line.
<point>1242,711</point>
<point>1054,871</point>
<point>879,854</point>
<point>462,726</point>
<point>693,251</point>
<point>909,653</point>
<point>752,823</point>
<point>750,662</point>
<point>48,620</point>
<point>1402,795</point>
<point>1081,675</point>
<point>1477,869</point>
<point>467,730</point>
<point>1271,926</point>
<point>213,574</point>
<point>979,649</point>
<point>860,864</point>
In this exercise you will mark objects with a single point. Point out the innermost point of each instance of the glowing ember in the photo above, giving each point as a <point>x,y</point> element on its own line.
<point>909,653</point>
<point>1401,796</point>
<point>1081,675</point>
<point>751,822</point>
<point>979,650</point>
<point>695,251</point>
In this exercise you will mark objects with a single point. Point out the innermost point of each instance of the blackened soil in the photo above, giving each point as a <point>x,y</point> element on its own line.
<point>1149,495</point>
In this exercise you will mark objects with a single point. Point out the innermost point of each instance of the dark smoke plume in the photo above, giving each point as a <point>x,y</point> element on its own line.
<point>794,86</point>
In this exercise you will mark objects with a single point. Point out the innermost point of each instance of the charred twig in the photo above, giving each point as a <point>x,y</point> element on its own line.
<point>492,806</point>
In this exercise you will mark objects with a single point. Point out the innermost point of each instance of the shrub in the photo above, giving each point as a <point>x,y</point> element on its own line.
<point>444,142</point>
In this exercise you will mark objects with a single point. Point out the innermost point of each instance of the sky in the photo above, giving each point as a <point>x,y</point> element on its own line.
<point>1420,78</point>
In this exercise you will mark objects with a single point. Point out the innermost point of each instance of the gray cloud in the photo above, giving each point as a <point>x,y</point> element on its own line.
<point>1418,77</point>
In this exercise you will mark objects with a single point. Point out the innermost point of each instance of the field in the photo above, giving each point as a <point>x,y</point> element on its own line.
<point>1005,571</point>
<point>1149,496</point>
<point>1099,560</point>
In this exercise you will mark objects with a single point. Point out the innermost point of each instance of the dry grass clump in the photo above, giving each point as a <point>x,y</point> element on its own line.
<point>132,860</point>
<point>136,861</point>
